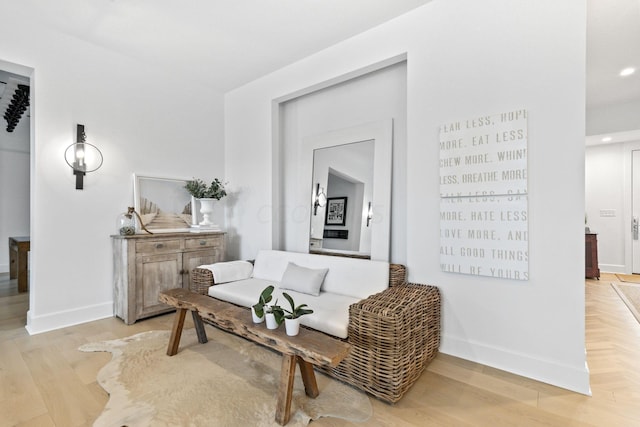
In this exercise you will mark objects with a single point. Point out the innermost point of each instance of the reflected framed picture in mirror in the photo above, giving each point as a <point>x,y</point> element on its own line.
<point>336,212</point>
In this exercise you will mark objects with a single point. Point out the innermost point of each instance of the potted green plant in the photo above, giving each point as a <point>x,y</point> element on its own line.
<point>292,317</point>
<point>201,190</point>
<point>206,194</point>
<point>274,315</point>
<point>257,310</point>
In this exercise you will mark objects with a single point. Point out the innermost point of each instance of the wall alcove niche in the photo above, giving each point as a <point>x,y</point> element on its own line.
<point>365,105</point>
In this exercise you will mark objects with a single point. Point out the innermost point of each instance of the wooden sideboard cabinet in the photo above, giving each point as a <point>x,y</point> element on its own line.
<point>591,256</point>
<point>146,264</point>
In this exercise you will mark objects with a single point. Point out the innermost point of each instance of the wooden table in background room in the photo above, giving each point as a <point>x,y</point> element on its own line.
<point>18,254</point>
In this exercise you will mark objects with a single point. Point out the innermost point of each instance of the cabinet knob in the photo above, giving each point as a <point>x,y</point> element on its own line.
<point>203,242</point>
<point>159,245</point>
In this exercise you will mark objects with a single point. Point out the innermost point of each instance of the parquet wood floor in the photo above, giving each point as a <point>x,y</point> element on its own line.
<point>45,381</point>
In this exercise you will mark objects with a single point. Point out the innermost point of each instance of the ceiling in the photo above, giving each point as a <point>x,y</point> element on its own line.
<point>219,43</point>
<point>222,44</point>
<point>225,44</point>
<point>613,43</point>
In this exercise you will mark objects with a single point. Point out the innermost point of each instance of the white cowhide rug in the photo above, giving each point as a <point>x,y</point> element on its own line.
<point>228,381</point>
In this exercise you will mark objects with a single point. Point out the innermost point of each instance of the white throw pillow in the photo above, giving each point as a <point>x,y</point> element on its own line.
<point>302,279</point>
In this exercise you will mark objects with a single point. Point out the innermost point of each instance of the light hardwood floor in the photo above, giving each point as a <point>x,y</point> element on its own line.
<point>46,381</point>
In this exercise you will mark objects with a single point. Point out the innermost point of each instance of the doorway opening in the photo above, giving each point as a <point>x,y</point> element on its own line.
<point>635,209</point>
<point>15,190</point>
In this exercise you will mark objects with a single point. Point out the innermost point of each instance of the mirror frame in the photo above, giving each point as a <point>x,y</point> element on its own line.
<point>382,132</point>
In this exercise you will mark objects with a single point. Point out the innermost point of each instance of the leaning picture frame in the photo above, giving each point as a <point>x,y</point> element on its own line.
<point>164,205</point>
<point>336,211</point>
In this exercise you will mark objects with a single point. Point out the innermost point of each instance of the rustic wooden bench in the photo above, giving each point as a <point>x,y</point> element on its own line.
<point>306,349</point>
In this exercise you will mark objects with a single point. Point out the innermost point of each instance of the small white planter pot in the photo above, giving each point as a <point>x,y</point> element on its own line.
<point>255,317</point>
<point>292,326</point>
<point>206,209</point>
<point>271,321</point>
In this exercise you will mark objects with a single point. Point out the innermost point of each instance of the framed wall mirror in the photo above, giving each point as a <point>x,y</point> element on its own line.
<point>350,191</point>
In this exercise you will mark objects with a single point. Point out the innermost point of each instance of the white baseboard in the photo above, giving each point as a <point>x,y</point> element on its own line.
<point>4,268</point>
<point>612,268</point>
<point>547,371</point>
<point>62,319</point>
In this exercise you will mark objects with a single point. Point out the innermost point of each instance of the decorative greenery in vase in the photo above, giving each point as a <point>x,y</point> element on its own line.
<point>200,190</point>
<point>264,298</point>
<point>295,311</point>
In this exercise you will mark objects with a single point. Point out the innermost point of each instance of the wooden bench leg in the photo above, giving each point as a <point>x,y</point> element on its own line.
<point>285,391</point>
<point>176,332</point>
<point>199,325</point>
<point>308,378</point>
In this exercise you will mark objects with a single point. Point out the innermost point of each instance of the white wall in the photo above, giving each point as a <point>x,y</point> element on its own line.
<point>339,187</point>
<point>14,200</point>
<point>464,59</point>
<point>144,120</point>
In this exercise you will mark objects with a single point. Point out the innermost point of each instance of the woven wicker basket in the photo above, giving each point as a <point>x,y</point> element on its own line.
<point>201,279</point>
<point>394,335</point>
<point>397,274</point>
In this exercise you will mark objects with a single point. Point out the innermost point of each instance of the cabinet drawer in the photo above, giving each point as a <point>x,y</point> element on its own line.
<point>158,247</point>
<point>203,242</point>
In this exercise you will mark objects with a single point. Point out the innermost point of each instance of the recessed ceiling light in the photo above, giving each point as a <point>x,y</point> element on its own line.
<point>606,139</point>
<point>627,71</point>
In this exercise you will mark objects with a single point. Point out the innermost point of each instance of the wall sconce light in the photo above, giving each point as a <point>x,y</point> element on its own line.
<point>320,199</point>
<point>82,157</point>
<point>369,214</point>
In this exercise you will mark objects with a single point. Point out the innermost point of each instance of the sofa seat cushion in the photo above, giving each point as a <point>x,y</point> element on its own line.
<point>330,311</point>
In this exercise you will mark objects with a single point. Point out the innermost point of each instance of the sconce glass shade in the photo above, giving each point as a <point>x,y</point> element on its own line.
<point>83,157</point>
<point>320,199</point>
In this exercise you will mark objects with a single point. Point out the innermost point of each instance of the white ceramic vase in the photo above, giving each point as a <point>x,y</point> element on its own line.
<point>271,321</point>
<point>255,317</point>
<point>206,209</point>
<point>292,326</point>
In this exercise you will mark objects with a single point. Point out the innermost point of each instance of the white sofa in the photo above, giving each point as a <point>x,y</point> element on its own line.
<point>393,326</point>
<point>347,281</point>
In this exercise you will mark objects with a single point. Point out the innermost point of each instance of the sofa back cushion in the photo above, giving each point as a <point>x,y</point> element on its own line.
<point>303,279</point>
<point>352,277</point>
